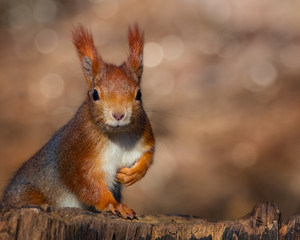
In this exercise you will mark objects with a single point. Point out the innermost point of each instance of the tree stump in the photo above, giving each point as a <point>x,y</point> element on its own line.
<point>72,223</point>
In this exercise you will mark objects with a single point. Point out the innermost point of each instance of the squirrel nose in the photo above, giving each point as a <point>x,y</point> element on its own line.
<point>118,116</point>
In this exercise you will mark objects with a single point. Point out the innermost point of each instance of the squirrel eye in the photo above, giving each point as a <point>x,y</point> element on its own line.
<point>95,95</point>
<point>138,95</point>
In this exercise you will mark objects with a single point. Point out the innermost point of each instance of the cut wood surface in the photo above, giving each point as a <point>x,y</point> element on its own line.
<point>72,223</point>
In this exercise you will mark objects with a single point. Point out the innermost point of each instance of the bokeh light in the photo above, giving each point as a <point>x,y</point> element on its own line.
<point>52,85</point>
<point>172,46</point>
<point>263,74</point>
<point>153,54</point>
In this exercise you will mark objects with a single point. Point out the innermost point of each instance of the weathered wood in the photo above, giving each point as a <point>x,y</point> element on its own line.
<point>71,223</point>
<point>291,231</point>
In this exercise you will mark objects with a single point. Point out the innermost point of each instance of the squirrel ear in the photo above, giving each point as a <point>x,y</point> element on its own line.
<point>84,43</point>
<point>136,45</point>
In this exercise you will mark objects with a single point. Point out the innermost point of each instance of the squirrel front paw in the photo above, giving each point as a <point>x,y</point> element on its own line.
<point>121,210</point>
<point>129,176</point>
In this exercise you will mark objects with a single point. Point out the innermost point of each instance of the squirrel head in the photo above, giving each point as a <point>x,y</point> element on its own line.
<point>114,95</point>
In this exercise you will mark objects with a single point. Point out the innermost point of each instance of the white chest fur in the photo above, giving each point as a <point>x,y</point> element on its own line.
<point>69,200</point>
<point>120,151</point>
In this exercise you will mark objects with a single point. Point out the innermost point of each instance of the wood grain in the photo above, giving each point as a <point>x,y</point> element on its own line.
<point>71,223</point>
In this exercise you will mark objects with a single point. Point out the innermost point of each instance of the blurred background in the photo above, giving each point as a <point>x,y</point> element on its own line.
<point>221,86</point>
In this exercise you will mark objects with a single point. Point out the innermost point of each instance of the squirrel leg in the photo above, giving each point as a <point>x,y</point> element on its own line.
<point>28,196</point>
<point>129,176</point>
<point>108,203</point>
<point>93,191</point>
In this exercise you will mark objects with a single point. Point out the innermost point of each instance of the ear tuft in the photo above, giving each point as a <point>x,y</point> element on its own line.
<point>136,46</point>
<point>84,43</point>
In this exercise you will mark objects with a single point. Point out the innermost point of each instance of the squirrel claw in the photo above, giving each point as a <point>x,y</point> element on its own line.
<point>122,211</point>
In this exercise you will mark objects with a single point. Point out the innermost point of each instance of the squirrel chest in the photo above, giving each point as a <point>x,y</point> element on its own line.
<point>119,151</point>
<point>115,153</point>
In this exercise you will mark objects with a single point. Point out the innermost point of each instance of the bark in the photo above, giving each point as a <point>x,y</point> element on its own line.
<point>71,223</point>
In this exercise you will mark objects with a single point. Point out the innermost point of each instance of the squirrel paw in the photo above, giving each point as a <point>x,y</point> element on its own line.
<point>121,210</point>
<point>129,176</point>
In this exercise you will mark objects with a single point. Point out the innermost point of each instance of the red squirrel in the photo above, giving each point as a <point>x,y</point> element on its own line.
<point>108,142</point>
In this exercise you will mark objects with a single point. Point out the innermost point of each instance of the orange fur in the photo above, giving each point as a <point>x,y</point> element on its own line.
<point>82,161</point>
<point>84,43</point>
<point>136,45</point>
<point>129,176</point>
<point>34,197</point>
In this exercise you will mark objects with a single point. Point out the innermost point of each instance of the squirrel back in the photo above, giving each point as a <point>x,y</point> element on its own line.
<point>108,143</point>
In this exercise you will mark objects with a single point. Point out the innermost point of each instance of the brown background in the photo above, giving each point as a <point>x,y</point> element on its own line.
<point>221,86</point>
